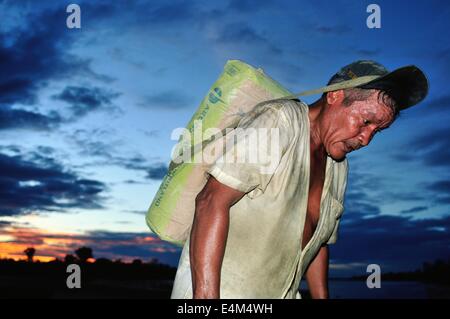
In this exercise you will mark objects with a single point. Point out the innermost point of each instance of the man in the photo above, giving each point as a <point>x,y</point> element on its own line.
<point>257,234</point>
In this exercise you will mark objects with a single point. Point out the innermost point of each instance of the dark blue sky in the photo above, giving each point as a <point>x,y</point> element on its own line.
<point>86,117</point>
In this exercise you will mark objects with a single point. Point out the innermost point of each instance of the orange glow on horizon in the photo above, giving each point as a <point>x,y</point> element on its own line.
<point>22,257</point>
<point>15,240</point>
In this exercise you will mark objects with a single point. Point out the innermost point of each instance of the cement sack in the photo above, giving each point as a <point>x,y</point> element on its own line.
<point>238,89</point>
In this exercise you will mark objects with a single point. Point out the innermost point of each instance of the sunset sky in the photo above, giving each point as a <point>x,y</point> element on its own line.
<point>86,117</point>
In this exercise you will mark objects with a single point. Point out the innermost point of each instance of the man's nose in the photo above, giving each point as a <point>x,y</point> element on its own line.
<point>365,137</point>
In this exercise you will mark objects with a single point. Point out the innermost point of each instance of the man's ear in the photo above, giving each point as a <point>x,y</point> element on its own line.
<point>335,97</point>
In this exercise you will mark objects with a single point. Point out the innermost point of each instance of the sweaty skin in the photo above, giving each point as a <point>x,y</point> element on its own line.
<point>317,273</point>
<point>336,129</point>
<point>208,237</point>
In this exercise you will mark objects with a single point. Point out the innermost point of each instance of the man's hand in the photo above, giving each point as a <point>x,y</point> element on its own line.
<point>317,275</point>
<point>208,237</point>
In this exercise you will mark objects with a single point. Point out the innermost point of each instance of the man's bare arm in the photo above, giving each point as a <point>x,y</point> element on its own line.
<point>317,275</point>
<point>208,236</point>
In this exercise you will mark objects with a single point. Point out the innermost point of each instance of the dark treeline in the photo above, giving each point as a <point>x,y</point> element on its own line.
<point>101,278</point>
<point>101,268</point>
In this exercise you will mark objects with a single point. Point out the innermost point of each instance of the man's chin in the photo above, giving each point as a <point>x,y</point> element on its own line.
<point>338,156</point>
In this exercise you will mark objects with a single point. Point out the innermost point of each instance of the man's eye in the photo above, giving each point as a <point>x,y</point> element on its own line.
<point>366,122</point>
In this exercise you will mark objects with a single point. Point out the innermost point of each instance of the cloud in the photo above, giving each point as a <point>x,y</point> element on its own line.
<point>287,71</point>
<point>244,34</point>
<point>35,182</point>
<point>431,106</point>
<point>438,104</point>
<point>151,133</point>
<point>22,119</point>
<point>120,55</point>
<point>394,242</point>
<point>37,53</point>
<point>438,157</point>
<point>167,100</point>
<point>441,191</point>
<point>157,15</point>
<point>92,144</point>
<point>333,30</point>
<point>442,186</point>
<point>175,12</point>
<point>442,60</point>
<point>443,200</point>
<point>367,191</point>
<point>137,212</point>
<point>367,53</point>
<point>432,148</point>
<point>361,193</point>
<point>414,209</point>
<point>157,171</point>
<point>83,100</point>
<point>443,54</point>
<point>4,224</point>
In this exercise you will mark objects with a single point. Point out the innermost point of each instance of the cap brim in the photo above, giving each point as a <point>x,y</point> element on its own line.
<point>407,85</point>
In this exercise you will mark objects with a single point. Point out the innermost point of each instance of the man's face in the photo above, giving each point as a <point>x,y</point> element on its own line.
<point>350,127</point>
